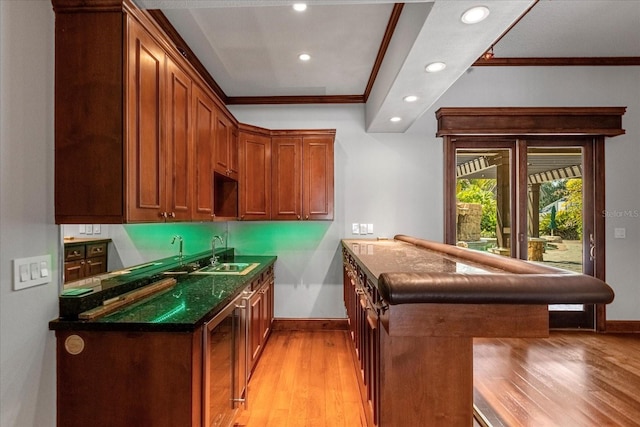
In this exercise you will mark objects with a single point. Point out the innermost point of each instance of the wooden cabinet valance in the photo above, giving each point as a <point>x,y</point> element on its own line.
<point>597,121</point>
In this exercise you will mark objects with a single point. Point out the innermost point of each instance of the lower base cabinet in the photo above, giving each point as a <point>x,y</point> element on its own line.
<point>261,318</point>
<point>164,379</point>
<point>364,328</point>
<point>112,378</point>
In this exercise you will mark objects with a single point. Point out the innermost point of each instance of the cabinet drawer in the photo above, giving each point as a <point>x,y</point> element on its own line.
<point>74,253</point>
<point>96,250</point>
<point>95,265</point>
<point>73,270</point>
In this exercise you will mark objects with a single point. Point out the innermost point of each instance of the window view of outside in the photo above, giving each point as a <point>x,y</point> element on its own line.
<point>554,189</point>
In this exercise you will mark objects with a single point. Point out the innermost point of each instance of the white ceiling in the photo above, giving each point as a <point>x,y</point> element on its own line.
<point>250,47</point>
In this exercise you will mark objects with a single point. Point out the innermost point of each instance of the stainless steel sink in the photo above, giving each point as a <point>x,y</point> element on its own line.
<point>237,268</point>
<point>183,269</point>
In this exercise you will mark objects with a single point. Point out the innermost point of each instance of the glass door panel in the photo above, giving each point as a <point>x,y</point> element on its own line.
<point>484,200</point>
<point>554,210</point>
<point>531,199</point>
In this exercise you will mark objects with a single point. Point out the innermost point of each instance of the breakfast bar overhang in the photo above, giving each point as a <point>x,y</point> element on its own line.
<point>414,307</point>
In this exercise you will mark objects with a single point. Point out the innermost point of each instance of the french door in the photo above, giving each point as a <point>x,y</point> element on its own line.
<point>536,199</point>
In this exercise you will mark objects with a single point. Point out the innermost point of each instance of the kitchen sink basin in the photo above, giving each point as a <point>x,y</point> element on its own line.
<point>183,269</point>
<point>237,268</point>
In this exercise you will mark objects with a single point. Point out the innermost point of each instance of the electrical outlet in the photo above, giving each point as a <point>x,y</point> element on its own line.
<point>620,233</point>
<point>355,228</point>
<point>88,228</point>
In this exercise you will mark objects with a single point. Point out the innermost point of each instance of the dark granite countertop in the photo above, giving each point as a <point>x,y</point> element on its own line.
<point>182,308</point>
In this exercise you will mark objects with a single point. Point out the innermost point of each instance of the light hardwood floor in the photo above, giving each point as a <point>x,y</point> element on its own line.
<point>573,379</point>
<point>304,378</point>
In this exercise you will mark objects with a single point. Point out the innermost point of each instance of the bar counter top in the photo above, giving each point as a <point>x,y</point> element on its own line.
<point>411,270</point>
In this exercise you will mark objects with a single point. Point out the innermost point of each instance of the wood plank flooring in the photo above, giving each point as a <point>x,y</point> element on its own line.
<point>305,378</point>
<point>572,379</point>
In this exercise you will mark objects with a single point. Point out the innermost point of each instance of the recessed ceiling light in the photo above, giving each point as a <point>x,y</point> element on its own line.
<point>475,15</point>
<point>410,98</point>
<point>434,67</point>
<point>304,57</point>
<point>395,119</point>
<point>299,7</point>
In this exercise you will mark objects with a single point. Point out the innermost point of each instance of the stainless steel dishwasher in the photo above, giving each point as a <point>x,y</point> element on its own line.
<point>225,363</point>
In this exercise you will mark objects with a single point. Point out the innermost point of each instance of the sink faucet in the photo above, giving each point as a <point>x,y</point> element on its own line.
<point>179,239</point>
<point>214,258</point>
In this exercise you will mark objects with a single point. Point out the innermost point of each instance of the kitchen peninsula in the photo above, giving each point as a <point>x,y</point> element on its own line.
<point>178,357</point>
<point>414,307</point>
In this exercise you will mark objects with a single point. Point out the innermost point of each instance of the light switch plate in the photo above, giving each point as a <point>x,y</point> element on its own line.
<point>32,271</point>
<point>369,228</point>
<point>355,228</point>
<point>363,228</point>
<point>620,233</point>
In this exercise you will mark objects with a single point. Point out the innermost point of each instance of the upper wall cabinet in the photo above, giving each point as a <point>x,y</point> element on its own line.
<point>89,119</point>
<point>302,175</point>
<point>226,147</point>
<point>124,121</point>
<point>255,178</point>
<point>140,136</point>
<point>204,122</point>
<point>159,143</point>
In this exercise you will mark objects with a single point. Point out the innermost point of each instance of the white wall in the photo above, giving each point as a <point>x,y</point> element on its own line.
<point>27,348</point>
<point>392,181</point>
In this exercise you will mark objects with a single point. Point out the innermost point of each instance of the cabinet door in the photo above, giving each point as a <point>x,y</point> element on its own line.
<point>178,144</point>
<point>255,328</point>
<point>226,147</point>
<point>95,265</point>
<point>234,153</point>
<point>204,120</point>
<point>145,152</point>
<point>317,173</point>
<point>267,309</point>
<point>255,181</point>
<point>73,270</point>
<point>287,178</point>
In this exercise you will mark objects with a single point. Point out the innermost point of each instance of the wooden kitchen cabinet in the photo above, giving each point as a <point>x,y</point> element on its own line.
<point>138,133</point>
<point>261,317</point>
<point>123,118</point>
<point>159,142</point>
<point>255,179</point>
<point>364,328</point>
<point>204,120</point>
<point>302,175</point>
<point>142,384</point>
<point>85,259</point>
<point>226,148</point>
